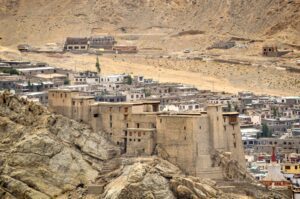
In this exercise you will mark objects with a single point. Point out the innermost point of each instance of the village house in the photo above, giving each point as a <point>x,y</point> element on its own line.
<point>17,64</point>
<point>41,97</point>
<point>186,140</point>
<point>119,78</point>
<point>29,72</point>
<point>86,77</point>
<point>270,51</point>
<point>134,95</point>
<point>9,81</point>
<point>27,86</point>
<point>56,78</point>
<point>279,125</point>
<point>76,44</point>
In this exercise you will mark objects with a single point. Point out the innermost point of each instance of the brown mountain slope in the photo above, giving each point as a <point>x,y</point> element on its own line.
<point>40,21</point>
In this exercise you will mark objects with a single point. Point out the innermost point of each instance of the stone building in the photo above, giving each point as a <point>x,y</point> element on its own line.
<point>76,44</point>
<point>105,42</point>
<point>29,72</point>
<point>270,51</point>
<point>86,77</point>
<point>187,140</point>
<point>279,125</point>
<point>9,81</point>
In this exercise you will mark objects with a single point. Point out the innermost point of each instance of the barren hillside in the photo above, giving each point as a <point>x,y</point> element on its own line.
<point>40,21</point>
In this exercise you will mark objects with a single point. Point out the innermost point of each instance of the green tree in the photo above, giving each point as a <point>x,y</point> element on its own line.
<point>11,71</point>
<point>274,112</point>
<point>229,106</point>
<point>128,80</point>
<point>265,131</point>
<point>98,65</point>
<point>66,82</point>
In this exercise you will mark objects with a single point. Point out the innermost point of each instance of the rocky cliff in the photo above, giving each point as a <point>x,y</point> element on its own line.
<point>43,155</point>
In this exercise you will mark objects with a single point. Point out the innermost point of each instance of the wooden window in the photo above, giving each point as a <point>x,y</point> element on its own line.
<point>232,119</point>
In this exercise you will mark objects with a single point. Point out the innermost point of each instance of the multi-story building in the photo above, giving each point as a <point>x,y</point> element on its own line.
<point>86,77</point>
<point>279,125</point>
<point>187,140</point>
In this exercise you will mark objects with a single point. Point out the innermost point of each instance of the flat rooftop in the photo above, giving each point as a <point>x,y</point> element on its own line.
<point>125,103</point>
<point>49,76</point>
<point>35,69</point>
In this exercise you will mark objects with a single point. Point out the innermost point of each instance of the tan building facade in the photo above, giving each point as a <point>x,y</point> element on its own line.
<point>187,140</point>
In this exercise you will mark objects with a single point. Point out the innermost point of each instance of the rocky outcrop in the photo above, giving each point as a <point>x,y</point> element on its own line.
<point>44,153</point>
<point>157,178</point>
<point>231,168</point>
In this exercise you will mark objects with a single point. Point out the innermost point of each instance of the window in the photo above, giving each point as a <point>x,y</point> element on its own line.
<point>130,133</point>
<point>125,118</point>
<point>110,124</point>
<point>137,125</point>
<point>296,167</point>
<point>287,167</point>
<point>139,140</point>
<point>184,127</point>
<point>139,134</point>
<point>110,117</point>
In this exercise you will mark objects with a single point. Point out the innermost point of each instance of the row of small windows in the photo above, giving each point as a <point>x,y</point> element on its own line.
<point>76,47</point>
<point>130,140</point>
<point>139,133</point>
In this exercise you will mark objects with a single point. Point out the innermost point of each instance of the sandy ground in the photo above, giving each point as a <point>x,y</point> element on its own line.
<point>204,75</point>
